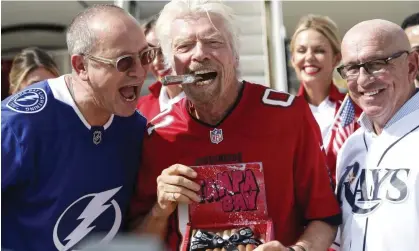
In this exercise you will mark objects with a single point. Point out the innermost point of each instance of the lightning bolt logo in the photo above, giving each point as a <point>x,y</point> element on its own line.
<point>93,210</point>
<point>28,101</point>
<point>28,97</point>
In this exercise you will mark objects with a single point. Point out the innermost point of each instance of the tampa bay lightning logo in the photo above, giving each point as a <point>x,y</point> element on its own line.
<point>28,101</point>
<point>97,205</point>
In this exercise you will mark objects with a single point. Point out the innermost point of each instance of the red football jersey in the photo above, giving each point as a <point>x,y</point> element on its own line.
<point>264,125</point>
<point>148,105</point>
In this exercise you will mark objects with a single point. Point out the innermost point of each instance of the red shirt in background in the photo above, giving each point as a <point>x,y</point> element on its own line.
<point>149,105</point>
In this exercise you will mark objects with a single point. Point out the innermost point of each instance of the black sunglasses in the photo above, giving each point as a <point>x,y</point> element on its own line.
<point>126,62</point>
<point>375,66</point>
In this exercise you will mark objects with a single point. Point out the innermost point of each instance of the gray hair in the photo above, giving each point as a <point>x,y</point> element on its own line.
<point>190,8</point>
<point>80,36</point>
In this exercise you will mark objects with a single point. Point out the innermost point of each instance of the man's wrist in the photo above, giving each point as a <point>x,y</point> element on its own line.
<point>157,213</point>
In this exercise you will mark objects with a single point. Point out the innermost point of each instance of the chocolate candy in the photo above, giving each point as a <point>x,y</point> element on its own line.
<point>203,240</point>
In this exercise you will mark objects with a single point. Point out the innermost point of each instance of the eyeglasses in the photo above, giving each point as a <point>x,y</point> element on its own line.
<point>373,67</point>
<point>126,62</point>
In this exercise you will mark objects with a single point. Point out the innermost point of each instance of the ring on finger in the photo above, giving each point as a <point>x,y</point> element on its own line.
<point>173,195</point>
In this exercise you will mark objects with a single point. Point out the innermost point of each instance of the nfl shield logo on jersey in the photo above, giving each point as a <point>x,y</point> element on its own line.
<point>216,135</point>
<point>97,137</point>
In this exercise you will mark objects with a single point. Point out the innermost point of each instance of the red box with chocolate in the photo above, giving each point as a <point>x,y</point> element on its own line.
<point>232,214</point>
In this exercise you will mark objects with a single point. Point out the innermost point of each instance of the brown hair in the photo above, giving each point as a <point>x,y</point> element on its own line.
<point>150,24</point>
<point>322,24</point>
<point>26,61</point>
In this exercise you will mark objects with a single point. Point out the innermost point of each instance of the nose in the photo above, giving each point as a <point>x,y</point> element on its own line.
<point>138,70</point>
<point>159,59</point>
<point>156,60</point>
<point>310,56</point>
<point>200,53</point>
<point>364,78</point>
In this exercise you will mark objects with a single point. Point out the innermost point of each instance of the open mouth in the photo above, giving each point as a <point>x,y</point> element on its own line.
<point>311,69</point>
<point>206,76</point>
<point>372,93</point>
<point>129,93</point>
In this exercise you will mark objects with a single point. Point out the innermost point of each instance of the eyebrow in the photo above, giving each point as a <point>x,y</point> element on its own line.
<point>214,35</point>
<point>120,53</point>
<point>178,40</point>
<point>322,46</point>
<point>373,58</point>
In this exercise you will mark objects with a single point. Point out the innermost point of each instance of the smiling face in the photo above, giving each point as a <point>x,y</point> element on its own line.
<point>158,68</point>
<point>313,58</point>
<point>200,48</point>
<point>381,95</point>
<point>117,92</point>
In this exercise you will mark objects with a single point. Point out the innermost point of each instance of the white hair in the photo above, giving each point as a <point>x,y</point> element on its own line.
<point>182,9</point>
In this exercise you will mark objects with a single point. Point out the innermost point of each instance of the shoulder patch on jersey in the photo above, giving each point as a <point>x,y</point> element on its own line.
<point>28,101</point>
<point>277,98</point>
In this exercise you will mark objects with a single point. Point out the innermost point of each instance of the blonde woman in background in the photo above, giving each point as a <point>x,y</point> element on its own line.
<point>315,51</point>
<point>31,65</point>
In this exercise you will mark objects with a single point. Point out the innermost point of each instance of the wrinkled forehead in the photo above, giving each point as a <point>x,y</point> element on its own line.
<point>360,48</point>
<point>198,27</point>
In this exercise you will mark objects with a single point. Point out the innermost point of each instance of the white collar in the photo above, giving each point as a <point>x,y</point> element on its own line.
<point>164,100</point>
<point>325,104</point>
<point>60,91</point>
<point>411,105</point>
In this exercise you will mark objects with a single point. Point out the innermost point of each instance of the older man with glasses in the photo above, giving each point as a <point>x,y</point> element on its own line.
<point>71,146</point>
<point>377,168</point>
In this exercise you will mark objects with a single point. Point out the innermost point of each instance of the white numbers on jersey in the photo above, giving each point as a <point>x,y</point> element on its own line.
<point>277,98</point>
<point>167,120</point>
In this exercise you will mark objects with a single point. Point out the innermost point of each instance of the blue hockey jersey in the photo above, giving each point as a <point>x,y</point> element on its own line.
<point>63,181</point>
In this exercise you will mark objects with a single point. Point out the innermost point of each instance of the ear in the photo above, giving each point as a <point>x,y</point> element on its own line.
<point>413,64</point>
<point>80,67</point>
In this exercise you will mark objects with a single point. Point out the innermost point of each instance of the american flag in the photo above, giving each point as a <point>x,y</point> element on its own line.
<point>344,125</point>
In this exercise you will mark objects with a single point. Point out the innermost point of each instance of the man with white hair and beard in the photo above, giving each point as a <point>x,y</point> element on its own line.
<point>377,168</point>
<point>221,121</point>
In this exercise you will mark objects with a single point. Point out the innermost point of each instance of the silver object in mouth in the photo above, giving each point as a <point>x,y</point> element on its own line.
<point>180,79</point>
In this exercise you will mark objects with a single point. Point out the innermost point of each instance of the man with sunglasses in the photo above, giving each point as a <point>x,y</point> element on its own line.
<point>71,145</point>
<point>411,26</point>
<point>377,168</point>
